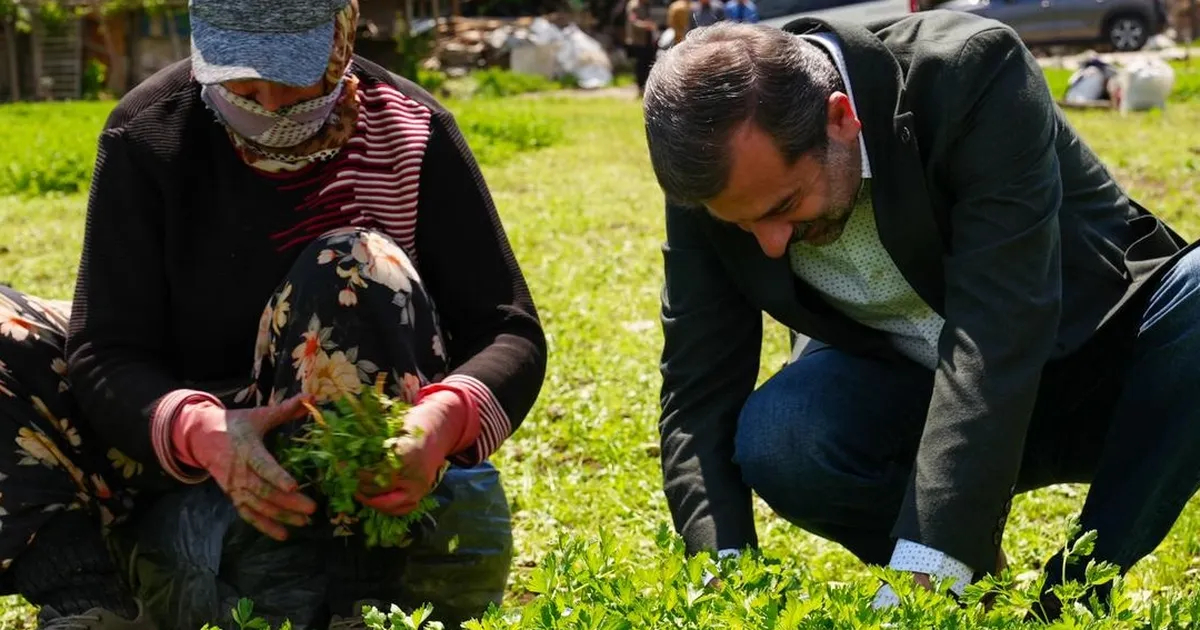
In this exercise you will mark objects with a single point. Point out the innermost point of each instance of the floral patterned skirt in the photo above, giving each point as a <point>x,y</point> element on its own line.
<point>351,308</point>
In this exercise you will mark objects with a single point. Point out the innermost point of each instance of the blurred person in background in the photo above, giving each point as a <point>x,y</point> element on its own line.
<point>678,19</point>
<point>641,40</point>
<point>707,13</point>
<point>741,11</point>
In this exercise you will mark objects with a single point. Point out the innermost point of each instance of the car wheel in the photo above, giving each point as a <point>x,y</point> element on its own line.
<point>1127,33</point>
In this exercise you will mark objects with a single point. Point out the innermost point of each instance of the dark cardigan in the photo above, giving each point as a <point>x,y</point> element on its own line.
<point>184,244</point>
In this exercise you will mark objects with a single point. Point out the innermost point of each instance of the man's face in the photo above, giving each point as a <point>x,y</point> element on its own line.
<point>809,200</point>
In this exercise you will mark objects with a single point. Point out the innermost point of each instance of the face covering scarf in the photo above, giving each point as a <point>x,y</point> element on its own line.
<point>305,132</point>
<point>287,127</point>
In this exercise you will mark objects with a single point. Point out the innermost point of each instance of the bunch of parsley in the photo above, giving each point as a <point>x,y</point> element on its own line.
<point>354,435</point>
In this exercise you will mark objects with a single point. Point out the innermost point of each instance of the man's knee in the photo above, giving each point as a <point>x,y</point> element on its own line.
<point>1184,276</point>
<point>1177,297</point>
<point>785,448</point>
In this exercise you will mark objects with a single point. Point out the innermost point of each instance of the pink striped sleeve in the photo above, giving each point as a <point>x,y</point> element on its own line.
<point>162,426</point>
<point>494,426</point>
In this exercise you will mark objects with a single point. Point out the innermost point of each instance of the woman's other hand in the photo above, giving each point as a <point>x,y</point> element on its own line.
<point>229,445</point>
<point>436,425</point>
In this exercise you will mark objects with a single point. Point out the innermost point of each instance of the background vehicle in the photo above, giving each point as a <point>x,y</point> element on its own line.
<point>1125,25</point>
<point>780,12</point>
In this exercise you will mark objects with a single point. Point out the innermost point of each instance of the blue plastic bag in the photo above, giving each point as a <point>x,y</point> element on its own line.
<point>190,558</point>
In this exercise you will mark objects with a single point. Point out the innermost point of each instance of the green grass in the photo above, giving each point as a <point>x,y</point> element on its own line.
<point>584,215</point>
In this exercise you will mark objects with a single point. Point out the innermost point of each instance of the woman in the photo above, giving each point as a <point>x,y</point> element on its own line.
<point>272,221</point>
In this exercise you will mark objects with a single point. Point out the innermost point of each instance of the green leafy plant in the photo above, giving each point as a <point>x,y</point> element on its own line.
<point>350,440</point>
<point>375,619</point>
<point>499,83</point>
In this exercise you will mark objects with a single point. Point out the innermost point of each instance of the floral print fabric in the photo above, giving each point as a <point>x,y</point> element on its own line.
<point>49,462</point>
<point>352,307</point>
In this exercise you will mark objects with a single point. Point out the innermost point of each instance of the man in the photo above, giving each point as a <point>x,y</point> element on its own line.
<point>990,313</point>
<point>742,11</point>
<point>641,36</point>
<point>707,13</point>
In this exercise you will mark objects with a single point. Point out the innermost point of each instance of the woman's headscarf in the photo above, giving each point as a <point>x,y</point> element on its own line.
<point>340,126</point>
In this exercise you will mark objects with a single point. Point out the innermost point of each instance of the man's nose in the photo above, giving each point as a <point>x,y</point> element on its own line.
<point>772,236</point>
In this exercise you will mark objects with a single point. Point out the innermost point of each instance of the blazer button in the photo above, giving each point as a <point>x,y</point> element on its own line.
<point>905,135</point>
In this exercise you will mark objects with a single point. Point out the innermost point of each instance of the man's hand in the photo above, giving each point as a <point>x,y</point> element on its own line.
<point>437,423</point>
<point>923,580</point>
<point>228,444</point>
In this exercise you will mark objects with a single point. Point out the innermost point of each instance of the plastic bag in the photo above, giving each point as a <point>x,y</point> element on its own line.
<point>1088,84</point>
<point>462,564</point>
<point>190,558</point>
<point>1144,85</point>
<point>584,58</point>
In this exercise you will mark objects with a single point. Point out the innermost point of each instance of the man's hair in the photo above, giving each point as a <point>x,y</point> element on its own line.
<point>720,77</point>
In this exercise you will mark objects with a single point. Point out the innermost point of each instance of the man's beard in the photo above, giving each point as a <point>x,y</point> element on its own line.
<point>843,174</point>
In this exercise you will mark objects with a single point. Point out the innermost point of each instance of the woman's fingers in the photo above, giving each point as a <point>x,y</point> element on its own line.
<point>292,508</point>
<point>261,522</point>
<point>395,503</point>
<point>270,481</point>
<point>260,461</point>
<point>257,499</point>
<point>269,506</point>
<point>277,415</point>
<point>372,483</point>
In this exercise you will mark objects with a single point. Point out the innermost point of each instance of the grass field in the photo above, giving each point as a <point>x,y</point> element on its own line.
<point>584,216</point>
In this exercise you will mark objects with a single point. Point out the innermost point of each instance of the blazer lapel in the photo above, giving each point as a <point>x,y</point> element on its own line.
<point>904,213</point>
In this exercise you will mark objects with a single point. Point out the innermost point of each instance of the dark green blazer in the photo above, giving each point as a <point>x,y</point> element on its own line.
<point>996,213</point>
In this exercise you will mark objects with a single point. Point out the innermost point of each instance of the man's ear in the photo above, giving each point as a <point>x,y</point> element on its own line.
<point>841,121</point>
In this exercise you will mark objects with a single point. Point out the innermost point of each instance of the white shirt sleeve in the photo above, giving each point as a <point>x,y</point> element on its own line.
<point>917,558</point>
<point>707,578</point>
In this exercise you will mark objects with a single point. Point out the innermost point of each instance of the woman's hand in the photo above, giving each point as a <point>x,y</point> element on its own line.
<point>437,422</point>
<point>229,445</point>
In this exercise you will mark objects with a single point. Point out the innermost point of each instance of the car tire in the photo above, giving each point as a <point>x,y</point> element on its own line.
<point>1127,33</point>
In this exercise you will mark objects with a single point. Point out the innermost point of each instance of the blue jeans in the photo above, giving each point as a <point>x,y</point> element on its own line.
<point>829,441</point>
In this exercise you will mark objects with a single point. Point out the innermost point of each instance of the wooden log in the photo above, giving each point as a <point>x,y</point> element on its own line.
<point>35,49</point>
<point>14,68</point>
<point>173,32</point>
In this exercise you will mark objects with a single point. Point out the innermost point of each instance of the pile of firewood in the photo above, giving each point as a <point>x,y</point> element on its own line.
<point>465,42</point>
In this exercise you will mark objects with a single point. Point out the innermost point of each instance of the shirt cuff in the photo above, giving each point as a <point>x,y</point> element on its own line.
<point>470,429</point>
<point>914,557</point>
<point>917,558</point>
<point>494,426</point>
<point>162,433</point>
